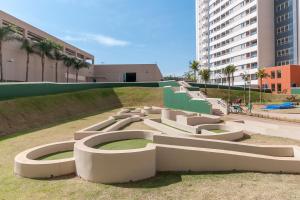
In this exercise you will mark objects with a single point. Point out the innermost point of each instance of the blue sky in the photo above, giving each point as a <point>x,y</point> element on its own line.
<point>118,31</point>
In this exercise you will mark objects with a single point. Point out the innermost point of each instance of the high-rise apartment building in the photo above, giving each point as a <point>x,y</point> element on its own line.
<point>247,33</point>
<point>286,32</point>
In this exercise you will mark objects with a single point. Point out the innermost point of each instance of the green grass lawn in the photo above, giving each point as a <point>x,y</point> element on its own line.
<point>124,144</point>
<point>165,186</point>
<point>218,131</point>
<point>237,94</point>
<point>57,156</point>
<point>34,112</point>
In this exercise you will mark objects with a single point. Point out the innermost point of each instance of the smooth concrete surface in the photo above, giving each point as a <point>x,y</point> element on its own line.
<point>171,150</point>
<point>27,166</point>
<point>180,158</point>
<point>233,135</point>
<point>115,166</point>
<point>152,110</point>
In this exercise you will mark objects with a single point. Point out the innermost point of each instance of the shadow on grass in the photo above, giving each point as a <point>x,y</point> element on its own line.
<point>160,180</point>
<point>53,124</point>
<point>163,179</point>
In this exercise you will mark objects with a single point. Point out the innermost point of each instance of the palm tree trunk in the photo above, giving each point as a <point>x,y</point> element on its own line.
<point>76,76</point>
<point>195,73</point>
<point>56,75</point>
<point>27,67</point>
<point>68,74</point>
<point>43,67</point>
<point>1,62</point>
<point>205,88</point>
<point>260,92</point>
<point>245,93</point>
<point>229,95</point>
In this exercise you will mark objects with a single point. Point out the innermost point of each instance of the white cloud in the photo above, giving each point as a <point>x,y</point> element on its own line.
<point>98,38</point>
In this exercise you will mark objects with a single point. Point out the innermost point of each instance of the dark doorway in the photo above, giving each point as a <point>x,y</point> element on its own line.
<point>130,77</point>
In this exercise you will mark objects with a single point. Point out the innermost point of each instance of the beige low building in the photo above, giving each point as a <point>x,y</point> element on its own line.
<point>14,61</point>
<point>127,73</point>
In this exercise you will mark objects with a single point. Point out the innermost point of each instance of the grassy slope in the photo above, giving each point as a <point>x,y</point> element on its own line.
<point>164,186</point>
<point>235,94</point>
<point>35,112</point>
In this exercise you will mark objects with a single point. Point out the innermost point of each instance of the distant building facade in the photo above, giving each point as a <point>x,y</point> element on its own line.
<point>127,73</point>
<point>281,79</point>
<point>14,59</point>
<point>247,33</point>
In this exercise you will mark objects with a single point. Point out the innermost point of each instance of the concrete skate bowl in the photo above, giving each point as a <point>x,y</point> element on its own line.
<point>115,166</point>
<point>29,165</point>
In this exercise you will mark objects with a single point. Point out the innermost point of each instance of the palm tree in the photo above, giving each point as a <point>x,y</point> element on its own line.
<point>6,34</point>
<point>58,56</point>
<point>187,76</point>
<point>245,78</point>
<point>194,66</point>
<point>27,45</point>
<point>228,72</point>
<point>44,48</point>
<point>79,64</point>
<point>261,74</point>
<point>233,69</point>
<point>205,76</point>
<point>69,62</point>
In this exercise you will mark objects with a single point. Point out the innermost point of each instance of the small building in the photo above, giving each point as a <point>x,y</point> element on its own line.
<point>281,79</point>
<point>127,73</point>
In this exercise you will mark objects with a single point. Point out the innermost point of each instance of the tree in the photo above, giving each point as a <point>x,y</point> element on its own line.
<point>58,56</point>
<point>194,66</point>
<point>232,69</point>
<point>188,76</point>
<point>245,78</point>
<point>28,46</point>
<point>69,62</point>
<point>79,64</point>
<point>6,34</point>
<point>205,76</point>
<point>261,74</point>
<point>44,49</point>
<point>227,72</point>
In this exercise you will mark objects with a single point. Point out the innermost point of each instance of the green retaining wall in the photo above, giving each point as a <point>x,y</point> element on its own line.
<point>199,85</point>
<point>168,83</point>
<point>295,91</point>
<point>14,90</point>
<point>182,101</point>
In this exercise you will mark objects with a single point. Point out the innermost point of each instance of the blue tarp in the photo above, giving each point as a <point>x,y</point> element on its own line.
<point>286,105</point>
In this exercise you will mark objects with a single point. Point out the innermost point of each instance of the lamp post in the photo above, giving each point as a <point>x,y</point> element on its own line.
<point>6,72</point>
<point>249,81</point>
<point>220,77</point>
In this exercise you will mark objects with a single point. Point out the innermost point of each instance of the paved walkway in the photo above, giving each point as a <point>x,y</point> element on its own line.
<point>282,116</point>
<point>283,129</point>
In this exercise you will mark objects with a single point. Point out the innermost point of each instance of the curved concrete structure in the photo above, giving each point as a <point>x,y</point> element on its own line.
<point>115,166</point>
<point>131,111</point>
<point>176,150</point>
<point>113,123</point>
<point>152,110</point>
<point>120,124</point>
<point>174,129</point>
<point>27,166</point>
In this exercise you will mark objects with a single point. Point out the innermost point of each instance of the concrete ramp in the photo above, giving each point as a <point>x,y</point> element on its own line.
<point>202,155</point>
